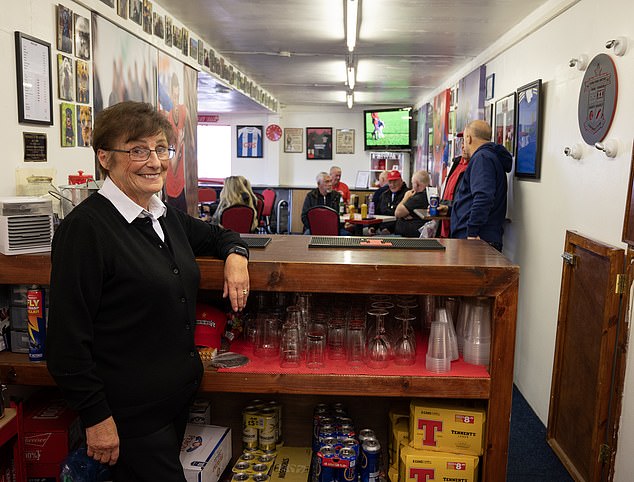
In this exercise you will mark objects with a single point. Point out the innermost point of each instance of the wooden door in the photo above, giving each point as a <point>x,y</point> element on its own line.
<point>587,372</point>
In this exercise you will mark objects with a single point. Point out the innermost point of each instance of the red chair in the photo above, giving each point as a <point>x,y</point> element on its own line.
<point>206,200</point>
<point>323,221</point>
<point>237,218</point>
<point>269,201</point>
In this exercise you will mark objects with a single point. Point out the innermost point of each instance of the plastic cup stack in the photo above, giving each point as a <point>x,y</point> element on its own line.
<point>464,314</point>
<point>438,359</point>
<point>477,343</point>
<point>443,316</point>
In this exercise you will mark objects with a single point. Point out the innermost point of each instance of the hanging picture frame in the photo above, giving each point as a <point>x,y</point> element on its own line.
<point>345,141</point>
<point>34,80</point>
<point>528,122</point>
<point>249,141</point>
<point>64,29</point>
<point>293,139</point>
<point>319,143</point>
<point>505,122</point>
<point>489,89</point>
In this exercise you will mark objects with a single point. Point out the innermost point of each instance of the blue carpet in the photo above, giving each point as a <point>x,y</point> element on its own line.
<point>530,456</point>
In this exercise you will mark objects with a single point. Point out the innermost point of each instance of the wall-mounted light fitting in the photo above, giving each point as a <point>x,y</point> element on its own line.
<point>581,62</point>
<point>350,99</point>
<point>618,45</point>
<point>352,17</point>
<point>576,151</point>
<point>609,146</point>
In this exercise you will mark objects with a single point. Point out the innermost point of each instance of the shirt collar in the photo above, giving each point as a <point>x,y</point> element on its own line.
<point>127,207</point>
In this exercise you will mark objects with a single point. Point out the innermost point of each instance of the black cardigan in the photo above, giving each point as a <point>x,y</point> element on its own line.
<point>122,313</point>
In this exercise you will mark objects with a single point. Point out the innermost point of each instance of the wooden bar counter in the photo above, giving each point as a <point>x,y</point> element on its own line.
<point>287,264</point>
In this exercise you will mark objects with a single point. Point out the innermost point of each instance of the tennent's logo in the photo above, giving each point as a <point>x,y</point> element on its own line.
<point>38,440</point>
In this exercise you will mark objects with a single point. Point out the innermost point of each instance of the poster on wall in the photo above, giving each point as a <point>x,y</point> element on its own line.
<point>440,138</point>
<point>345,141</point>
<point>249,141</point>
<point>319,143</point>
<point>472,90</point>
<point>293,139</point>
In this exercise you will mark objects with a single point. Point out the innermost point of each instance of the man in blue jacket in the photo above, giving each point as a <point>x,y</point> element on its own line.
<point>479,207</point>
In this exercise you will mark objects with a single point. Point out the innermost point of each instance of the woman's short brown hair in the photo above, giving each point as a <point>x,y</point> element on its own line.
<point>128,121</point>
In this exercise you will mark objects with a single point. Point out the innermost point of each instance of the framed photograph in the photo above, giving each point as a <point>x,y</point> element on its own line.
<point>177,37</point>
<point>363,177</point>
<point>136,11</point>
<point>201,52</point>
<point>249,141</point>
<point>65,78</point>
<point>488,116</point>
<point>159,29</point>
<point>147,16</point>
<point>319,143</point>
<point>528,146</point>
<point>82,37</point>
<point>84,126</point>
<point>82,81</point>
<point>505,122</point>
<point>489,87</point>
<point>122,8</point>
<point>110,3</point>
<point>34,80</point>
<point>345,141</point>
<point>67,124</point>
<point>185,41</point>
<point>168,31</point>
<point>64,29</point>
<point>293,139</point>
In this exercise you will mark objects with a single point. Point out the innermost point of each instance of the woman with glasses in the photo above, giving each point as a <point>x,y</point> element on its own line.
<point>124,281</point>
<point>236,192</point>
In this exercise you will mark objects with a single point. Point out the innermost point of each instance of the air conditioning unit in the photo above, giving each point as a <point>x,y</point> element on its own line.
<point>26,225</point>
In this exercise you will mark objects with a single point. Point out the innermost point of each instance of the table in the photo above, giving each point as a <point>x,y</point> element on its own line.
<point>424,215</point>
<point>359,223</point>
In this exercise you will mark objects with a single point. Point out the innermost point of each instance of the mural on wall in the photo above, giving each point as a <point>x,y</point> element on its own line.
<point>438,168</point>
<point>175,89</point>
<point>472,89</point>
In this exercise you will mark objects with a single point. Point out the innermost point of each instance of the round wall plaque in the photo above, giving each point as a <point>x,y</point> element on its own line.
<point>597,99</point>
<point>274,132</point>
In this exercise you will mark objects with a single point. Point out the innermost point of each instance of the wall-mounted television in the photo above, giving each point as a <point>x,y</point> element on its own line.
<point>388,129</point>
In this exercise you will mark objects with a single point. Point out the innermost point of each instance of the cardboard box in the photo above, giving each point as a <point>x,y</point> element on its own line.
<point>292,464</point>
<point>392,474</point>
<point>206,452</point>
<point>51,431</point>
<point>446,427</point>
<point>422,465</point>
<point>399,436</point>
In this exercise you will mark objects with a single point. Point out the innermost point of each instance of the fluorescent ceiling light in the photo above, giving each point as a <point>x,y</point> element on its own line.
<point>352,8</point>
<point>350,77</point>
<point>349,100</point>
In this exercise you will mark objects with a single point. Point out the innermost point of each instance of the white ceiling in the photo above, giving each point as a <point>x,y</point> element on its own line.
<point>405,48</point>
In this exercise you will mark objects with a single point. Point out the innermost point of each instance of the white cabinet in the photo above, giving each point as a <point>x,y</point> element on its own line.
<point>380,161</point>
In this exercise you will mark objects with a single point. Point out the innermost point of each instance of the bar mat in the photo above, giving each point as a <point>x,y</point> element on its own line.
<point>256,241</point>
<point>374,242</point>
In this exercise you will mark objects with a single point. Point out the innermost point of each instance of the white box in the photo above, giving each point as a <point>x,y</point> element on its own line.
<point>205,452</point>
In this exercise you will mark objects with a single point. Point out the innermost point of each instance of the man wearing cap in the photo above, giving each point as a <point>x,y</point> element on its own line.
<point>390,199</point>
<point>479,206</point>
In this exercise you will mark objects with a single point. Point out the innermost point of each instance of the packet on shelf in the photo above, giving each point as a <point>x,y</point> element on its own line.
<point>446,427</point>
<point>417,465</point>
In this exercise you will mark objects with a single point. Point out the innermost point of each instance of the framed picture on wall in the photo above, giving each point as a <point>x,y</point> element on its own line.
<point>319,143</point>
<point>122,8</point>
<point>136,11</point>
<point>345,141</point>
<point>34,80</point>
<point>82,37</point>
<point>528,145</point>
<point>505,122</point>
<point>65,77</point>
<point>489,87</point>
<point>293,139</point>
<point>64,29</point>
<point>249,140</point>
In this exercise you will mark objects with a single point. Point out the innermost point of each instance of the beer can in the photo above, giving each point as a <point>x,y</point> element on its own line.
<point>265,458</point>
<point>370,460</point>
<point>365,434</point>
<point>351,443</point>
<point>250,423</point>
<point>37,322</point>
<point>247,457</point>
<point>345,431</point>
<point>241,466</point>
<point>348,458</point>
<point>260,478</point>
<point>240,477</point>
<point>325,471</point>
<point>267,433</point>
<point>278,408</point>
<point>260,468</point>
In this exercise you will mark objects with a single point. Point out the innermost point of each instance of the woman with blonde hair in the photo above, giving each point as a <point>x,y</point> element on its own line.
<point>236,192</point>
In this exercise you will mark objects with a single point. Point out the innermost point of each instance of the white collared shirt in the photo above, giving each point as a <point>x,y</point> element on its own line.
<point>131,210</point>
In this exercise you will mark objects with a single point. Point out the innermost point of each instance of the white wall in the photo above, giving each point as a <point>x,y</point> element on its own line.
<point>587,196</point>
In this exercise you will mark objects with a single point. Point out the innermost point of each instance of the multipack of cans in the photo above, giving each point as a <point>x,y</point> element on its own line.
<point>262,425</point>
<point>340,454</point>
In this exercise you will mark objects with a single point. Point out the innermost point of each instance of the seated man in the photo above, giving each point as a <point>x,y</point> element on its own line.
<point>407,222</point>
<point>323,195</point>
<point>337,185</point>
<point>389,200</point>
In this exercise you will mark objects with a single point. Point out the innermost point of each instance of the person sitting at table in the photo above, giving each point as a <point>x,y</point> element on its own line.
<point>382,187</point>
<point>337,185</point>
<point>407,221</point>
<point>389,200</point>
<point>323,195</point>
<point>236,192</point>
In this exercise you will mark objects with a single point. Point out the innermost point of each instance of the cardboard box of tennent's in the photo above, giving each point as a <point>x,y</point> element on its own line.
<point>51,431</point>
<point>422,465</point>
<point>399,436</point>
<point>292,464</point>
<point>205,452</point>
<point>445,427</point>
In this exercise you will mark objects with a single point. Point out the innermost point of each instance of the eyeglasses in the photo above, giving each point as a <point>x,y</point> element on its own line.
<point>141,154</point>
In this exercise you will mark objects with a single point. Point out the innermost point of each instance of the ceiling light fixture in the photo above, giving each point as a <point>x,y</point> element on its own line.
<point>350,99</point>
<point>352,17</point>
<point>350,77</point>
